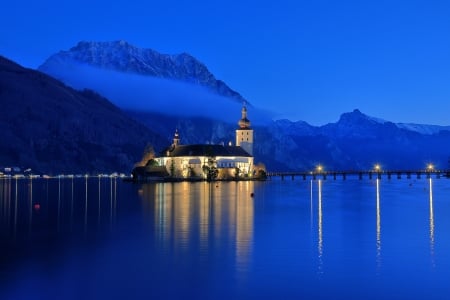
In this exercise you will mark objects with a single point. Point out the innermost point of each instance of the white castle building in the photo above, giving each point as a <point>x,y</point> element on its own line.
<point>209,161</point>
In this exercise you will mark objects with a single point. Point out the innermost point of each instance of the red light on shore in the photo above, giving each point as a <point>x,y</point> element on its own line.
<point>37,206</point>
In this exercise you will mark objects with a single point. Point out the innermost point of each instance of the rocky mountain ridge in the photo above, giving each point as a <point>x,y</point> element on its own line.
<point>124,57</point>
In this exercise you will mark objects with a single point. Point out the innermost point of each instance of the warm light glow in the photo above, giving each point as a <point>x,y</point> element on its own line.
<point>319,168</point>
<point>430,167</point>
<point>377,167</point>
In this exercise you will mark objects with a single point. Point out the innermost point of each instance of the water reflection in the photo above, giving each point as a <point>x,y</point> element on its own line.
<point>320,230</point>
<point>202,215</point>
<point>311,202</point>
<point>378,226</point>
<point>5,203</point>
<point>244,230</point>
<point>58,204</point>
<point>15,205</point>
<point>200,240</point>
<point>431,223</point>
<point>86,204</point>
<point>30,204</point>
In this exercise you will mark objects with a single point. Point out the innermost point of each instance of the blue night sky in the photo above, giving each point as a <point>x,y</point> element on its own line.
<point>305,60</point>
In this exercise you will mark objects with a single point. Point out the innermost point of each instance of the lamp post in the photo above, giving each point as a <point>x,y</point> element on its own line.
<point>430,169</point>
<point>319,169</point>
<point>377,168</point>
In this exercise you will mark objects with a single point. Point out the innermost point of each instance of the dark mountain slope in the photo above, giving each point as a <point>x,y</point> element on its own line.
<point>50,127</point>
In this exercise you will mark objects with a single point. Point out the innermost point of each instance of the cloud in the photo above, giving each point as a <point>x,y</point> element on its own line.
<point>144,93</point>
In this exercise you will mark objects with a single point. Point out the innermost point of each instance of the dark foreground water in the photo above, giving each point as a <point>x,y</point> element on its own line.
<point>105,239</point>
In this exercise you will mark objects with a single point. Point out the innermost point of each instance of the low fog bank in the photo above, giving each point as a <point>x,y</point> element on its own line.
<point>150,94</point>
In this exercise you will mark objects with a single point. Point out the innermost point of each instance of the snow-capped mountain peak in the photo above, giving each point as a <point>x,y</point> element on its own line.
<point>123,57</point>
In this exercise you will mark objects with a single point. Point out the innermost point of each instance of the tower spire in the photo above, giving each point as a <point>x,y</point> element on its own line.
<point>176,138</point>
<point>244,122</point>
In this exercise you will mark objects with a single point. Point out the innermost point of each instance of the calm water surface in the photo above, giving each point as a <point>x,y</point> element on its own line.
<point>102,238</point>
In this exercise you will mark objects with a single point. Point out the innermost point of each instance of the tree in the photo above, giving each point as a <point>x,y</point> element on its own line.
<point>237,172</point>
<point>149,154</point>
<point>151,163</point>
<point>260,171</point>
<point>210,169</point>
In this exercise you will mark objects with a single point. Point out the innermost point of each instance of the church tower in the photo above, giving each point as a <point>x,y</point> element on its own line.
<point>244,135</point>
<point>176,138</point>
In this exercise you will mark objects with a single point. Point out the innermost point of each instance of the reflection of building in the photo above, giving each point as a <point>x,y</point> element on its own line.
<point>207,161</point>
<point>200,215</point>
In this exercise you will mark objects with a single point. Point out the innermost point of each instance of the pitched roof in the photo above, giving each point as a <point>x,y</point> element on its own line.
<point>207,150</point>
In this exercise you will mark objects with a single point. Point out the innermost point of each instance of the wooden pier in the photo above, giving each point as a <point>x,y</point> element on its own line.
<point>370,174</point>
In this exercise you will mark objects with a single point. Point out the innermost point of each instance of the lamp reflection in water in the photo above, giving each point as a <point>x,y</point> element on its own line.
<point>204,222</point>
<point>5,204</point>
<point>71,205</point>
<point>99,198</point>
<point>183,219</point>
<point>15,208</point>
<point>61,201</point>
<point>244,225</point>
<point>113,199</point>
<point>378,230</point>
<point>320,229</point>
<point>431,223</point>
<point>86,203</point>
<point>311,202</point>
<point>30,203</point>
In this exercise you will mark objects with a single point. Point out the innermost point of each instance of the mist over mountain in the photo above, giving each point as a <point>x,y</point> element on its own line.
<point>50,127</point>
<point>145,80</point>
<point>122,56</point>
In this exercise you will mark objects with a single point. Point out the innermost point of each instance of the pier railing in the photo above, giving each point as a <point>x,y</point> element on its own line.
<point>389,174</point>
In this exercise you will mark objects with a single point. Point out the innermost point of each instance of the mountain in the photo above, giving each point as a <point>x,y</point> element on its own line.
<point>53,128</point>
<point>358,141</point>
<point>124,57</point>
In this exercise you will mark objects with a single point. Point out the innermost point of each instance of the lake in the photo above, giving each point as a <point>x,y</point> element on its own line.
<point>88,238</point>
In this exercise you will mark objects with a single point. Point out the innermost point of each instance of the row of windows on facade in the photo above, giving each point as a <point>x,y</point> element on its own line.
<point>229,165</point>
<point>220,165</point>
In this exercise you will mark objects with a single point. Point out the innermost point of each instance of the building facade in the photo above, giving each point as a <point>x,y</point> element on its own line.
<point>208,161</point>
